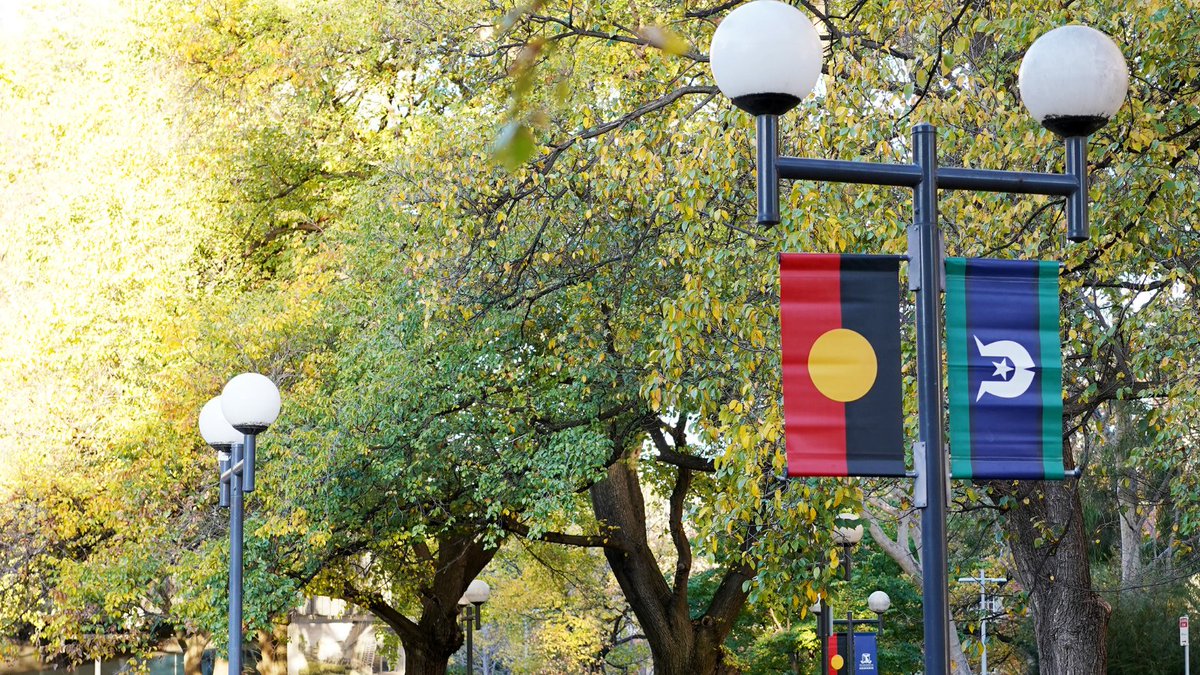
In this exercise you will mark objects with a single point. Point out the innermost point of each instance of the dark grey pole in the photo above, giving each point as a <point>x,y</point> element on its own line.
<point>248,466</point>
<point>223,466</point>
<point>849,614</point>
<point>850,667</point>
<point>927,252</point>
<point>823,633</point>
<point>767,140</point>
<point>236,519</point>
<point>1077,201</point>
<point>469,611</point>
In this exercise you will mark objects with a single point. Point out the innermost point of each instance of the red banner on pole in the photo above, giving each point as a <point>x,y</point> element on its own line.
<point>840,322</point>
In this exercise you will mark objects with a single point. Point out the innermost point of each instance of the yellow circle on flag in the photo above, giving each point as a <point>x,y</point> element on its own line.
<point>836,662</point>
<point>842,365</point>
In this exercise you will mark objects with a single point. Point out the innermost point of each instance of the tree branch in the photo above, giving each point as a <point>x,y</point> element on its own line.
<point>683,548</point>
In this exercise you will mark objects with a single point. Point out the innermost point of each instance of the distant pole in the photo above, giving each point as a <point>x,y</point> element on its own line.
<point>470,648</point>
<point>983,580</point>
<point>983,669</point>
<point>1184,642</point>
<point>237,518</point>
<point>471,606</point>
<point>823,632</point>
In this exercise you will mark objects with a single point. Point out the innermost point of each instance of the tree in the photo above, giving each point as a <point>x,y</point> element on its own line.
<point>501,260</point>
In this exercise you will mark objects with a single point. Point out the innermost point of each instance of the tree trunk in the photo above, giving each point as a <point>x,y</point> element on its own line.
<point>193,647</point>
<point>1130,523</point>
<point>679,645</point>
<point>1045,530</point>
<point>1130,520</point>
<point>418,661</point>
<point>435,636</point>
<point>273,646</point>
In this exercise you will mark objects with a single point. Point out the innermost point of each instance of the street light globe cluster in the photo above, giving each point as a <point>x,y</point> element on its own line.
<point>766,57</point>
<point>229,423</point>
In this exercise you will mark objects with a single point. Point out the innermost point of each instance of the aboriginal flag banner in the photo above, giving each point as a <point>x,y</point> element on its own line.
<point>840,321</point>
<point>1005,363</point>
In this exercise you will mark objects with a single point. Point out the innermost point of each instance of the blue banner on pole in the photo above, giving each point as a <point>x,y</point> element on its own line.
<point>1004,360</point>
<point>865,658</point>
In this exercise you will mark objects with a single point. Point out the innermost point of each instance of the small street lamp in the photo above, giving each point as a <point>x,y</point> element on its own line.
<point>847,532</point>
<point>879,602</point>
<point>471,604</point>
<point>766,57</point>
<point>230,424</point>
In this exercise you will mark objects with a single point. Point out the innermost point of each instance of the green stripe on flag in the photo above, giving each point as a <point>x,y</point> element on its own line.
<point>956,360</point>
<point>1051,363</point>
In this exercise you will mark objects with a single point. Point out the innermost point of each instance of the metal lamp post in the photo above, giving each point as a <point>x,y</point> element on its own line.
<point>824,629</point>
<point>230,424</point>
<point>471,603</point>
<point>847,536</point>
<point>766,57</point>
<point>847,533</point>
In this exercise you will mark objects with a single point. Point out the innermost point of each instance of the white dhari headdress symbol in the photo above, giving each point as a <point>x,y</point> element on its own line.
<point>1022,373</point>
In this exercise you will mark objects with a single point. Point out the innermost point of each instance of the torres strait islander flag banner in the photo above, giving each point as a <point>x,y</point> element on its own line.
<point>839,317</point>
<point>1005,365</point>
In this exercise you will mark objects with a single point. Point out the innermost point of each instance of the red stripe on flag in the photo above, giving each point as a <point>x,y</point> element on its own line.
<point>810,304</point>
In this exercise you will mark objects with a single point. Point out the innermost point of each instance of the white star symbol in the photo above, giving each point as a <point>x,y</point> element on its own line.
<point>1002,368</point>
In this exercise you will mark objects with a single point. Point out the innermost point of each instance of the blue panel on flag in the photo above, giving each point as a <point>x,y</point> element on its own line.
<point>865,658</point>
<point>1004,317</point>
<point>1005,366</point>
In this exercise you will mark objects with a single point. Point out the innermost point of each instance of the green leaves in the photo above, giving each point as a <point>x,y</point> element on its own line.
<point>514,146</point>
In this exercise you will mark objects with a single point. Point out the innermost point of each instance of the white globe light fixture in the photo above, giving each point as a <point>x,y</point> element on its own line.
<point>250,402</point>
<point>847,531</point>
<point>879,602</point>
<point>477,593</point>
<point>1073,80</point>
<point>766,57</point>
<point>215,429</point>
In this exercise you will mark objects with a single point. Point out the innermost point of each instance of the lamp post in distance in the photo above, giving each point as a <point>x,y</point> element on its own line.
<point>766,57</point>
<point>879,602</point>
<point>471,604</point>
<point>847,532</point>
<point>987,605</point>
<point>230,424</point>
